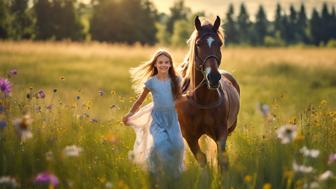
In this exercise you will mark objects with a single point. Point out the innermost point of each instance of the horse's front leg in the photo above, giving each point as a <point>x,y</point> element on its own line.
<point>222,157</point>
<point>196,150</point>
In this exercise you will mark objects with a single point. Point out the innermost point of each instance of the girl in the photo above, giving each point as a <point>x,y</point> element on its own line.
<point>159,144</point>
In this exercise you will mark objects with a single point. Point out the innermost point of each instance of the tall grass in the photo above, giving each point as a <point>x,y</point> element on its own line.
<point>94,91</point>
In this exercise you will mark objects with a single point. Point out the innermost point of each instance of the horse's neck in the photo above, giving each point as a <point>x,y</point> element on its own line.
<point>203,95</point>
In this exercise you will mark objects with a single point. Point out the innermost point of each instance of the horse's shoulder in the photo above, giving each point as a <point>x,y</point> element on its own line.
<point>229,77</point>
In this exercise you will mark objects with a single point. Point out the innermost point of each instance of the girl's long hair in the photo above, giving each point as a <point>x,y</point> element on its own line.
<point>146,70</point>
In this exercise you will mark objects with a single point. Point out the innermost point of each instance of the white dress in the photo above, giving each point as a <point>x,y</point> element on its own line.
<point>159,143</point>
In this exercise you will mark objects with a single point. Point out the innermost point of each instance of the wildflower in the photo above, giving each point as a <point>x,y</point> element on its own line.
<point>46,178</point>
<point>108,185</point>
<point>21,126</point>
<point>302,168</point>
<point>41,94</point>
<point>313,153</point>
<point>49,155</point>
<point>264,109</point>
<point>332,158</point>
<point>5,86</point>
<point>55,90</point>
<point>49,107</point>
<point>62,78</point>
<point>94,120</point>
<point>326,175</point>
<point>72,151</point>
<point>77,97</point>
<point>267,186</point>
<point>288,174</point>
<point>3,124</point>
<point>8,181</point>
<point>110,138</point>
<point>313,185</point>
<point>248,178</point>
<point>101,92</point>
<point>13,72</point>
<point>286,133</point>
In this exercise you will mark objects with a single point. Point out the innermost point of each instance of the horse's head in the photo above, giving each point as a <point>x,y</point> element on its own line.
<point>208,51</point>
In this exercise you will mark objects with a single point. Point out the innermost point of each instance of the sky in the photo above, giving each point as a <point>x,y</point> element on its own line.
<point>219,7</point>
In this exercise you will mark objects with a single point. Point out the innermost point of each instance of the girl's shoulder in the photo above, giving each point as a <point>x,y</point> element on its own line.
<point>149,82</point>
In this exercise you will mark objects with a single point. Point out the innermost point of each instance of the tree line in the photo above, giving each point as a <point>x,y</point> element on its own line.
<point>138,21</point>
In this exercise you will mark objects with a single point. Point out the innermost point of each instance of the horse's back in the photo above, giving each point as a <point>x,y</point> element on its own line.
<point>231,90</point>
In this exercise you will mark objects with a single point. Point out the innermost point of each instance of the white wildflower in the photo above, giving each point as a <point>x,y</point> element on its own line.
<point>313,153</point>
<point>108,185</point>
<point>286,133</point>
<point>313,185</point>
<point>9,181</point>
<point>302,168</point>
<point>72,150</point>
<point>326,175</point>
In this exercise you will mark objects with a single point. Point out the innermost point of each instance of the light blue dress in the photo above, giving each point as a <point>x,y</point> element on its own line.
<point>159,143</point>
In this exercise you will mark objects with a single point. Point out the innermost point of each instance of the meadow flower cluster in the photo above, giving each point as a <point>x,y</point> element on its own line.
<point>35,113</point>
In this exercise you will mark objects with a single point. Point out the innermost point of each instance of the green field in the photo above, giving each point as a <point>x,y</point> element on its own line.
<point>298,84</point>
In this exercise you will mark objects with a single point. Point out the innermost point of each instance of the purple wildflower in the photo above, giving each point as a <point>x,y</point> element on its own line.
<point>46,178</point>
<point>41,94</point>
<point>2,108</point>
<point>13,72</point>
<point>3,124</point>
<point>332,158</point>
<point>5,86</point>
<point>49,107</point>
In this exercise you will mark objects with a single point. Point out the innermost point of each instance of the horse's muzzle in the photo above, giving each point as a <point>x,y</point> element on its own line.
<point>213,80</point>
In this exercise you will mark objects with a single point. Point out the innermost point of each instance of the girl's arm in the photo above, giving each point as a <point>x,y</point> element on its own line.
<point>137,104</point>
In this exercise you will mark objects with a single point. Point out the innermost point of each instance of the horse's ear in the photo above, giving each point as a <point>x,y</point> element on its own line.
<point>216,24</point>
<point>197,24</point>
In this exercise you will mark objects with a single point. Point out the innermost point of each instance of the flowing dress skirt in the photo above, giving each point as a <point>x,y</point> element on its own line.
<point>159,144</point>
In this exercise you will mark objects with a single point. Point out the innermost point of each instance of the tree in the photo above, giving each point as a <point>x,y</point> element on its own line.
<point>229,26</point>
<point>110,22</point>
<point>315,27</point>
<point>302,25</point>
<point>57,19</point>
<point>326,22</point>
<point>260,26</point>
<point>177,12</point>
<point>292,28</point>
<point>4,19</point>
<point>21,22</point>
<point>243,24</point>
<point>44,23</point>
<point>278,19</point>
<point>182,31</point>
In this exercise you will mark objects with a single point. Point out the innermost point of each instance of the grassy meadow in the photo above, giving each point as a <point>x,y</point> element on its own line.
<point>88,89</point>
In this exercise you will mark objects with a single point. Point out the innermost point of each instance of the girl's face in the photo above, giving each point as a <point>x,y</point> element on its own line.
<point>162,64</point>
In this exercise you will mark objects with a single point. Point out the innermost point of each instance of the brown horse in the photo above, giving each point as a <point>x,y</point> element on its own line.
<point>210,103</point>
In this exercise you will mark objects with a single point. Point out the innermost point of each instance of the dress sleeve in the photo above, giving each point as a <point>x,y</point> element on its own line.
<point>148,84</point>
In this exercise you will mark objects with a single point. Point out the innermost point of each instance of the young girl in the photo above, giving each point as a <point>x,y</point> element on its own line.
<point>159,144</point>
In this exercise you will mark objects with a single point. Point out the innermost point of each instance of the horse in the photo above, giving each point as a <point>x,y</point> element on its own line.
<point>210,100</point>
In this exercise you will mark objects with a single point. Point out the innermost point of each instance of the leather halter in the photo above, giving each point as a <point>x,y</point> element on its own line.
<point>200,68</point>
